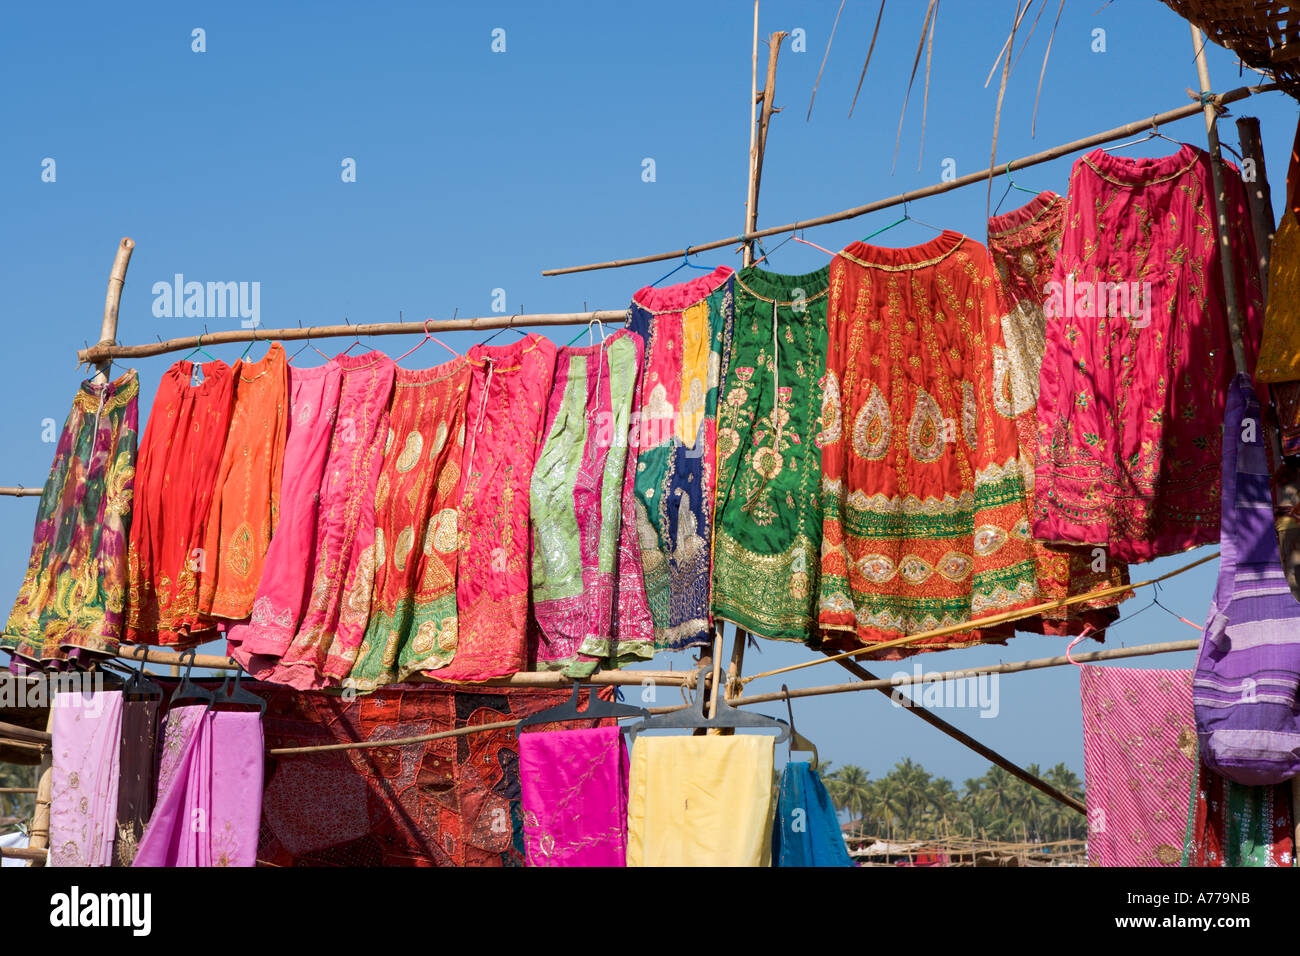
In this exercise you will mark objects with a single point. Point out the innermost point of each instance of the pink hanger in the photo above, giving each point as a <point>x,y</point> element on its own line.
<point>427,336</point>
<point>813,244</point>
<point>1087,632</point>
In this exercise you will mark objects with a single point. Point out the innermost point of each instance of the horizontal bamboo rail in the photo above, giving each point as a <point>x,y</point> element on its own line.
<point>26,734</point>
<point>106,351</point>
<point>19,491</point>
<point>21,853</point>
<point>1047,155</point>
<point>1014,667</point>
<point>17,789</point>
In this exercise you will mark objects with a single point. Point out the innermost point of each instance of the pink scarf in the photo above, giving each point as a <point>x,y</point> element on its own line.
<point>574,785</point>
<point>211,809</point>
<point>83,795</point>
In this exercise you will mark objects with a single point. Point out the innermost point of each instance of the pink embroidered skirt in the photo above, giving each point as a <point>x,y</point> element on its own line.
<point>505,415</point>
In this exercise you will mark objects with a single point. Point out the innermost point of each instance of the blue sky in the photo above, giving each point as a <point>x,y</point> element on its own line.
<point>475,170</point>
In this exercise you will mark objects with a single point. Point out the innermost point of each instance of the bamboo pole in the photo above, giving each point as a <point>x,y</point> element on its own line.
<point>37,857</point>
<point>1258,194</point>
<point>39,832</point>
<point>1005,617</point>
<point>17,789</point>
<point>17,732</point>
<point>112,299</point>
<point>751,209</point>
<point>1014,667</point>
<point>967,740</point>
<point>759,150</point>
<point>101,352</point>
<point>1056,152</point>
<point>18,491</point>
<point>1230,297</point>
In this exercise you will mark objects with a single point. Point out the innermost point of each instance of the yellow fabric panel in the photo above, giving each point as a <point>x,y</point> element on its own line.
<point>695,371</point>
<point>701,801</point>
<point>1279,354</point>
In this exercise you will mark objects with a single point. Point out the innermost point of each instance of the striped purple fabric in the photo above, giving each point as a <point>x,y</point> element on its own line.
<point>1248,667</point>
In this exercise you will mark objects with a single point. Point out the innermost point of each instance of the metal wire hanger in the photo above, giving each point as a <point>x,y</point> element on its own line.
<point>907,217</point>
<point>686,261</point>
<point>1011,184</point>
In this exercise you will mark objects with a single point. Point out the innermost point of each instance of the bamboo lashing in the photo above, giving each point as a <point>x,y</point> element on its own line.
<point>101,352</point>
<point>1056,152</point>
<point>1003,618</point>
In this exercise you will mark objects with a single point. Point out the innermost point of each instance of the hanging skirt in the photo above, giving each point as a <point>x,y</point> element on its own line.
<point>1139,748</point>
<point>412,625</point>
<point>1023,245</point>
<point>505,416</point>
<point>179,459</point>
<point>246,502</point>
<point>924,516</point>
<point>87,740</point>
<point>1231,824</point>
<point>767,546</point>
<point>72,598</point>
<point>323,651</point>
<point>577,510</point>
<point>687,332</point>
<point>574,787</point>
<point>285,583</point>
<point>1129,449</point>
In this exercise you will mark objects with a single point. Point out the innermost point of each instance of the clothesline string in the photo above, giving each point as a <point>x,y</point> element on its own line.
<point>1003,618</point>
<point>1056,152</point>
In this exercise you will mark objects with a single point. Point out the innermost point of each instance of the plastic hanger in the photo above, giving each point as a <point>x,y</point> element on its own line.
<point>797,740</point>
<point>595,708</point>
<point>1155,132</point>
<point>1011,184</point>
<point>427,336</point>
<point>907,217</point>
<point>237,695</point>
<point>187,689</point>
<point>813,244</point>
<point>686,261</point>
<point>725,716</point>
<point>140,685</point>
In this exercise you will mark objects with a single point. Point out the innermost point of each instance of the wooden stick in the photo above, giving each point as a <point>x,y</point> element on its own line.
<point>113,298</point>
<point>1004,618</point>
<point>765,119</point>
<point>17,789</point>
<point>753,142</point>
<point>18,491</point>
<point>26,734</point>
<point>101,352</point>
<point>1013,667</point>
<point>39,833</point>
<point>1230,296</point>
<point>1259,194</point>
<point>23,853</point>
<point>1056,152</point>
<point>966,739</point>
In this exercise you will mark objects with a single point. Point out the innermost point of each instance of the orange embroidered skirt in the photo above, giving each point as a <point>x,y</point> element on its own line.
<point>247,500</point>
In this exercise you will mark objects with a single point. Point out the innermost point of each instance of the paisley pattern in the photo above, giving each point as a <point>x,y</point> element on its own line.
<point>71,602</point>
<point>872,431</point>
<point>411,588</point>
<point>927,431</point>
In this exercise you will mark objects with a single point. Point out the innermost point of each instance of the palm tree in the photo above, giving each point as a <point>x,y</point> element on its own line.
<point>850,791</point>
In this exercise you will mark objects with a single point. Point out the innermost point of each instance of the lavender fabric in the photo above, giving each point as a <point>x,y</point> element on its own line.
<point>1248,666</point>
<point>574,785</point>
<point>209,812</point>
<point>87,732</point>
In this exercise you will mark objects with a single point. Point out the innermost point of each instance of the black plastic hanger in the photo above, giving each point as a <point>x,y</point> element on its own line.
<point>238,695</point>
<point>140,686</point>
<point>595,708</point>
<point>187,689</point>
<point>725,715</point>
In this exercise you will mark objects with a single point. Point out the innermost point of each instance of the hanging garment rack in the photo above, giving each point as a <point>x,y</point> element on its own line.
<point>1056,152</point>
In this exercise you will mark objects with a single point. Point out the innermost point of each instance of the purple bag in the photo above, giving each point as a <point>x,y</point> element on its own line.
<point>1248,666</point>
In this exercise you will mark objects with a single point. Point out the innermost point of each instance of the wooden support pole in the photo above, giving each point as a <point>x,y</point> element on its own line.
<point>99,353</point>
<point>113,298</point>
<point>1231,299</point>
<point>25,734</point>
<point>751,208</point>
<point>18,491</point>
<point>759,149</point>
<point>1047,155</point>
<point>1258,193</point>
<point>39,832</point>
<point>966,739</point>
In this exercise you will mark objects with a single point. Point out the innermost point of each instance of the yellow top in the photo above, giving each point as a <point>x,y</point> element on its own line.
<point>1279,353</point>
